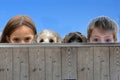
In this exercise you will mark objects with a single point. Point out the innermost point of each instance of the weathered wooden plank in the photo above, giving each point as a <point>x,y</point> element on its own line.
<point>6,64</point>
<point>114,63</point>
<point>20,63</point>
<point>37,63</point>
<point>85,63</point>
<point>101,63</point>
<point>53,63</point>
<point>69,66</point>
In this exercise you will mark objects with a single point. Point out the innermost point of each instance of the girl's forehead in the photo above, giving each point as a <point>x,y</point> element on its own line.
<point>23,30</point>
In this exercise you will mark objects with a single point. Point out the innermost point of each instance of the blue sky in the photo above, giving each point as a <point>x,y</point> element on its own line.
<point>62,16</point>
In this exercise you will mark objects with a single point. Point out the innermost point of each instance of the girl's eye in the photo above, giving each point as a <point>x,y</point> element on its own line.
<point>27,39</point>
<point>51,41</point>
<point>16,39</point>
<point>41,40</point>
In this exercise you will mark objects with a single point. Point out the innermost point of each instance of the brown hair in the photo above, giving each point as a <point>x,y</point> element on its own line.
<point>104,23</point>
<point>14,23</point>
<point>74,37</point>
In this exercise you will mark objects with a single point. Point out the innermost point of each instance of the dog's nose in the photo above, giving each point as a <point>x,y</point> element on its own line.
<point>46,41</point>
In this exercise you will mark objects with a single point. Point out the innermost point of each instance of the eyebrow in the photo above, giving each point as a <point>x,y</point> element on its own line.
<point>15,37</point>
<point>108,36</point>
<point>95,36</point>
<point>28,36</point>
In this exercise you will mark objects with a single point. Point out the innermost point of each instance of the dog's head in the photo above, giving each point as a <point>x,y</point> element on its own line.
<point>74,37</point>
<point>47,36</point>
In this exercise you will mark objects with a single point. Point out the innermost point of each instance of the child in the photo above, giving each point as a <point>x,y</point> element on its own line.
<point>19,29</point>
<point>47,36</point>
<point>74,37</point>
<point>102,30</point>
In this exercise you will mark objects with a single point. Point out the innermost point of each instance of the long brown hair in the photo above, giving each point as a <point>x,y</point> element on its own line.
<point>14,23</point>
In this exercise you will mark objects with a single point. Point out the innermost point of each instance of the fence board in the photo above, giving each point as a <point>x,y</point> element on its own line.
<point>69,60</point>
<point>20,63</point>
<point>85,63</point>
<point>53,63</point>
<point>6,64</point>
<point>101,63</point>
<point>114,63</point>
<point>37,63</point>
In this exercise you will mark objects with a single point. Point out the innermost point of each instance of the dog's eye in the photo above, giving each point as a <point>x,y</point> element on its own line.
<point>41,40</point>
<point>51,40</point>
<point>80,40</point>
<point>70,41</point>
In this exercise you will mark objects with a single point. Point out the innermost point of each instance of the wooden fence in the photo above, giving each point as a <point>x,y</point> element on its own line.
<point>60,62</point>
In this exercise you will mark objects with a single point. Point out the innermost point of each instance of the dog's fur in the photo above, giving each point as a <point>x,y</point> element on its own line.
<point>74,37</point>
<point>47,36</point>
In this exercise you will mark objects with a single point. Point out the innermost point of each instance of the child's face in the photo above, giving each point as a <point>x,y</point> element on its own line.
<point>22,35</point>
<point>99,36</point>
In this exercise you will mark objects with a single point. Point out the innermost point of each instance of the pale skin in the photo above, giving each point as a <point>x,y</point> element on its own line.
<point>21,35</point>
<point>100,36</point>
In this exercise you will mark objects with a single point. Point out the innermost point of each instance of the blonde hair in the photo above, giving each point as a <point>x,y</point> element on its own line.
<point>103,23</point>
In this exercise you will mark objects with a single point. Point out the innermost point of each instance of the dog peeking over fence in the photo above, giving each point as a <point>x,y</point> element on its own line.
<point>76,37</point>
<point>47,36</point>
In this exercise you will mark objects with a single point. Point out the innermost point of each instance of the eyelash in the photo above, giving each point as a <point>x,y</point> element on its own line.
<point>16,39</point>
<point>95,39</point>
<point>27,38</point>
<point>108,40</point>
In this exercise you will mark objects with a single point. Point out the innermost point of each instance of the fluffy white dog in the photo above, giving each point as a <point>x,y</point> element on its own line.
<point>47,36</point>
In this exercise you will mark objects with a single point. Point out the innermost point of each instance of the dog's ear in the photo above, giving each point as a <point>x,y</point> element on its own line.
<point>64,39</point>
<point>59,40</point>
<point>58,37</point>
<point>67,38</point>
<point>83,38</point>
